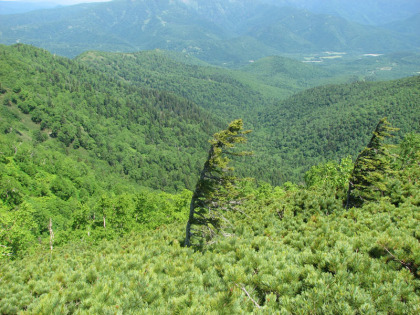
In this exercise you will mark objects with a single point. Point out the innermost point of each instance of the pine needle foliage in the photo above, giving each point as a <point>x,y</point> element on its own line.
<point>287,257</point>
<point>216,185</point>
<point>368,179</point>
<point>296,252</point>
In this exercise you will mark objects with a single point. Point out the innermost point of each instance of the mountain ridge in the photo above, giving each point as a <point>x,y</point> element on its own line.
<point>157,87</point>
<point>242,33</point>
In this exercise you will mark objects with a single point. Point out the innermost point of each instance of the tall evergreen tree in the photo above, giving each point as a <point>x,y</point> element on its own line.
<point>368,179</point>
<point>216,184</point>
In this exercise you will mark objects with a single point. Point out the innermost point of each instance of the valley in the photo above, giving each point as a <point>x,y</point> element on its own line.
<point>282,137</point>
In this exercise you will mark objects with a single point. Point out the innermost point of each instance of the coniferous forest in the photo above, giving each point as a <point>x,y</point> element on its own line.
<point>155,182</point>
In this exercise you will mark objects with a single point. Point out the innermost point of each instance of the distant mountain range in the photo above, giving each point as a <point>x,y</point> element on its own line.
<point>370,12</point>
<point>219,32</point>
<point>410,26</point>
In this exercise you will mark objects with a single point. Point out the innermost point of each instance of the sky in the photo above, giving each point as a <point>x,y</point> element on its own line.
<point>63,2</point>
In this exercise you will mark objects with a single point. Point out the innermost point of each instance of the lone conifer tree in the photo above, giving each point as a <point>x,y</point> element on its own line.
<point>215,185</point>
<point>367,181</point>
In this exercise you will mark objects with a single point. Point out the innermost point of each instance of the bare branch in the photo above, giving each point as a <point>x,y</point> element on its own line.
<point>400,261</point>
<point>249,296</point>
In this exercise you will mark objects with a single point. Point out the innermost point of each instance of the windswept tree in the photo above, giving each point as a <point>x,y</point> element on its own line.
<point>216,185</point>
<point>368,179</point>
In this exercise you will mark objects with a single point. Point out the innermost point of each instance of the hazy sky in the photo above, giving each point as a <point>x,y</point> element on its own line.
<point>65,2</point>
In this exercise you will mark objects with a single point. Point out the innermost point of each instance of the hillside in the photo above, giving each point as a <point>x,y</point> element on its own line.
<point>226,93</point>
<point>251,92</point>
<point>146,111</point>
<point>153,137</point>
<point>210,157</point>
<point>77,148</point>
<point>223,33</point>
<point>407,26</point>
<point>373,67</point>
<point>281,72</point>
<point>232,93</point>
<point>373,12</point>
<point>43,181</point>
<point>99,110</point>
<point>370,12</point>
<point>88,145</point>
<point>289,30</point>
<point>289,249</point>
<point>331,122</point>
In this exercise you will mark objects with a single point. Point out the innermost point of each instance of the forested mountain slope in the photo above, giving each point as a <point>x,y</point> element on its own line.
<point>407,26</point>
<point>290,249</point>
<point>77,148</point>
<point>158,137</point>
<point>242,92</point>
<point>374,12</point>
<point>153,137</point>
<point>281,141</point>
<point>279,72</point>
<point>227,93</point>
<point>333,121</point>
<point>82,231</point>
<point>43,183</point>
<point>113,26</point>
<point>290,30</point>
<point>374,67</point>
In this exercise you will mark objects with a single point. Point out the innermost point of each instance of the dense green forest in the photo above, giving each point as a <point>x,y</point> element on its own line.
<point>100,155</point>
<point>332,122</point>
<point>221,91</point>
<point>248,89</point>
<point>107,119</point>
<point>260,93</point>
<point>149,114</point>
<point>291,250</point>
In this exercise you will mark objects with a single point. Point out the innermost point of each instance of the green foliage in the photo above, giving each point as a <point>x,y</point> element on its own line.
<point>153,137</point>
<point>225,93</point>
<point>83,142</point>
<point>18,229</point>
<point>40,181</point>
<point>291,248</point>
<point>117,243</point>
<point>215,189</point>
<point>295,250</point>
<point>409,148</point>
<point>328,123</point>
<point>330,175</point>
<point>371,168</point>
<point>157,137</point>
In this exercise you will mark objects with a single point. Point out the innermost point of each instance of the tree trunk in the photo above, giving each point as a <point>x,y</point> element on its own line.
<point>194,199</point>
